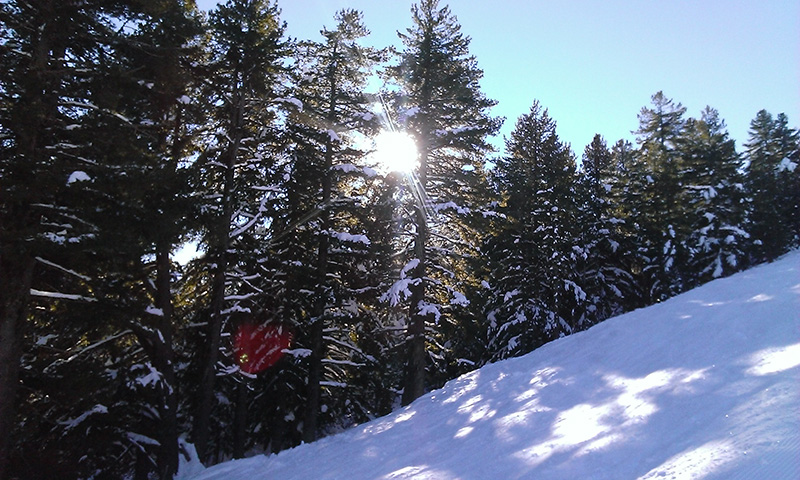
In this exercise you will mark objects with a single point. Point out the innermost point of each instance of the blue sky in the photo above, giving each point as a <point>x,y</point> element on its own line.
<point>595,64</point>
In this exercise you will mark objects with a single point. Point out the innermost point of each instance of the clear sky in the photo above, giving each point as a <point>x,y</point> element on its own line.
<point>594,64</point>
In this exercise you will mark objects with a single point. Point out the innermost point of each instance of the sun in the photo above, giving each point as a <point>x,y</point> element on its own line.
<point>396,152</point>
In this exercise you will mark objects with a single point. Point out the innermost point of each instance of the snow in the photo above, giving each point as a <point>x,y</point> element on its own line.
<point>704,385</point>
<point>411,265</point>
<point>60,296</point>
<point>439,207</point>
<point>78,176</point>
<point>297,103</point>
<point>426,309</point>
<point>459,299</point>
<point>405,114</point>
<point>237,309</point>
<point>399,291</point>
<point>348,237</point>
<point>63,269</point>
<point>190,464</point>
<point>70,424</point>
<point>140,439</point>
<point>345,167</point>
<point>333,136</point>
<point>151,377</point>
<point>297,352</point>
<point>42,341</point>
<point>787,165</point>
<point>455,131</point>
<point>332,384</point>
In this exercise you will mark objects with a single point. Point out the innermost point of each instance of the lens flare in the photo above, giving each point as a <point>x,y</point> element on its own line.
<point>396,152</point>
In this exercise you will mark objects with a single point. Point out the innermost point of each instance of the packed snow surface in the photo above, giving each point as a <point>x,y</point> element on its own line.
<point>705,385</point>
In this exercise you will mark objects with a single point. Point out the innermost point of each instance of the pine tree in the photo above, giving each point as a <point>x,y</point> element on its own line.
<point>112,114</point>
<point>248,52</point>
<point>535,294</point>
<point>167,51</point>
<point>23,79</point>
<point>603,266</point>
<point>143,209</point>
<point>447,114</point>
<point>627,188</point>
<point>714,193</point>
<point>773,181</point>
<point>331,178</point>
<point>49,49</point>
<point>661,216</point>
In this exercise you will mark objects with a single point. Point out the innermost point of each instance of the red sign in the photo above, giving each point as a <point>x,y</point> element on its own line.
<point>258,347</point>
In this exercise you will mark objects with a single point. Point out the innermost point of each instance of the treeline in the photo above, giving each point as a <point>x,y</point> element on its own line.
<point>131,128</point>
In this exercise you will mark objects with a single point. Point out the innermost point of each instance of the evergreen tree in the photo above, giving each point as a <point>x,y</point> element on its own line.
<point>603,266</point>
<point>625,200</point>
<point>331,178</point>
<point>116,120</point>
<point>332,89</point>
<point>149,193</point>
<point>49,52</point>
<point>661,216</point>
<point>248,52</point>
<point>163,57</point>
<point>773,181</point>
<point>715,197</point>
<point>25,76</point>
<point>447,114</point>
<point>129,128</point>
<point>535,294</point>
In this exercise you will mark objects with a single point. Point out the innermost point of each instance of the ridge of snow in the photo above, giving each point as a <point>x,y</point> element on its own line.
<point>72,423</point>
<point>78,176</point>
<point>704,385</point>
<point>349,237</point>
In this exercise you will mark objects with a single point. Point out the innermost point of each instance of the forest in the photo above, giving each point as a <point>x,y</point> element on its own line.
<point>328,291</point>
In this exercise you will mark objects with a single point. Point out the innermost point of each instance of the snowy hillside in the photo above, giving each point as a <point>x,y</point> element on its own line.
<point>705,385</point>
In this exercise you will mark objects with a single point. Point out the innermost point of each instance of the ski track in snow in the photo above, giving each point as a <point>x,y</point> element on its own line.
<point>704,385</point>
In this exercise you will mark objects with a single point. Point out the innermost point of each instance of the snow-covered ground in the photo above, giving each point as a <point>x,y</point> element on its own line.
<point>705,385</point>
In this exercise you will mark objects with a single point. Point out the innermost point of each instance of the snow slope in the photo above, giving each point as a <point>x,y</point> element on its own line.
<point>705,385</point>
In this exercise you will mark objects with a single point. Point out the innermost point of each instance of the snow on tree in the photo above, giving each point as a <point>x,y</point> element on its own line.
<point>536,293</point>
<point>438,82</point>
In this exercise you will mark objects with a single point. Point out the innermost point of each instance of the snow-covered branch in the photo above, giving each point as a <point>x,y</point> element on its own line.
<point>63,269</point>
<point>61,296</point>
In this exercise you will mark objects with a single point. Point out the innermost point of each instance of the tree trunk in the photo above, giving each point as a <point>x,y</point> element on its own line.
<point>202,419</point>
<point>163,361</point>
<point>311,417</point>
<point>277,437</point>
<point>240,419</point>
<point>32,113</point>
<point>317,343</point>
<point>16,275</point>
<point>202,423</point>
<point>415,367</point>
